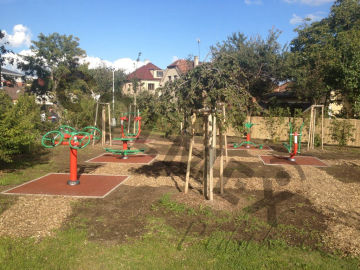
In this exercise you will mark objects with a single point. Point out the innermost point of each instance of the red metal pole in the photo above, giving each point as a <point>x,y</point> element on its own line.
<point>122,119</point>
<point>293,154</point>
<point>248,140</point>
<point>125,145</point>
<point>73,168</point>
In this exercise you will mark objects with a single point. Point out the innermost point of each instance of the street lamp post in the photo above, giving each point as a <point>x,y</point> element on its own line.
<point>113,101</point>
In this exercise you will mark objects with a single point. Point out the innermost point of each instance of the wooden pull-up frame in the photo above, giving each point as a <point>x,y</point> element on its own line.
<point>103,121</point>
<point>210,132</point>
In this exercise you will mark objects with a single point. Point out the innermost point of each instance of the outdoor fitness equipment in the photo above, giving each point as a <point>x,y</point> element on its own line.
<point>137,125</point>
<point>294,146</point>
<point>67,135</point>
<point>126,138</point>
<point>248,126</point>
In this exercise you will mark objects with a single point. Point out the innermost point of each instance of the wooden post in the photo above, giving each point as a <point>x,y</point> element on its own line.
<point>103,119</point>
<point>212,156</point>
<point>225,136</point>
<point>109,116</point>
<point>209,155</point>
<point>322,127</point>
<point>188,168</point>
<point>95,122</point>
<point>314,129</point>
<point>310,128</point>
<point>221,142</point>
<point>206,155</point>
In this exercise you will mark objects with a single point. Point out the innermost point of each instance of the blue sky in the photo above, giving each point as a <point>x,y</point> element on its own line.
<point>161,30</point>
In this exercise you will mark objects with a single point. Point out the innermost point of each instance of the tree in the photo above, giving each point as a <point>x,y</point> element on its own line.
<point>345,27</point>
<point>260,61</point>
<point>54,57</point>
<point>325,57</point>
<point>310,59</point>
<point>19,125</point>
<point>103,82</point>
<point>3,50</point>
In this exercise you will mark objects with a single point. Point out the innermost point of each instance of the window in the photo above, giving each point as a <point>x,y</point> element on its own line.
<point>175,77</point>
<point>151,86</point>
<point>169,78</point>
<point>159,73</point>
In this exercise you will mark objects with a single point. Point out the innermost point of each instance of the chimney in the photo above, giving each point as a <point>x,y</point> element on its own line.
<point>196,61</point>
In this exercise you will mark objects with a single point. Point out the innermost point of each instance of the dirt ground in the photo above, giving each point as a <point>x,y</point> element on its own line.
<point>322,200</point>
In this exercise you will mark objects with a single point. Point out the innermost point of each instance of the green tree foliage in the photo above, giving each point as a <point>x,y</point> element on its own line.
<point>103,78</point>
<point>3,50</point>
<point>310,59</point>
<point>19,125</point>
<point>242,71</point>
<point>326,57</point>
<point>342,131</point>
<point>149,106</point>
<point>80,115</point>
<point>53,58</point>
<point>74,86</point>
<point>260,61</point>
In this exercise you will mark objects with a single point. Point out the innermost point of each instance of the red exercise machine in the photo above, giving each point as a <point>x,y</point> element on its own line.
<point>67,135</point>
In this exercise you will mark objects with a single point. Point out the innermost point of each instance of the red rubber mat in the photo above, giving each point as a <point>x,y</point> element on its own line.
<point>91,185</point>
<point>243,147</point>
<point>299,160</point>
<point>111,158</point>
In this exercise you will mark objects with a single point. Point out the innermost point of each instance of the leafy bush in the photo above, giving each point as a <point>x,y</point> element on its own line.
<point>160,113</point>
<point>20,126</point>
<point>274,119</point>
<point>317,140</point>
<point>342,131</point>
<point>80,115</point>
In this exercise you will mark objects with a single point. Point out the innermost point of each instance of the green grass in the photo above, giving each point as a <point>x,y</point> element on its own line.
<point>22,175</point>
<point>162,247</point>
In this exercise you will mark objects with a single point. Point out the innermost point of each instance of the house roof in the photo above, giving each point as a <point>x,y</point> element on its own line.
<point>10,72</point>
<point>144,73</point>
<point>183,65</point>
<point>283,87</point>
<point>14,91</point>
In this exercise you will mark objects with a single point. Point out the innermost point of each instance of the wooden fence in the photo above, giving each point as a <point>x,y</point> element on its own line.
<point>278,129</point>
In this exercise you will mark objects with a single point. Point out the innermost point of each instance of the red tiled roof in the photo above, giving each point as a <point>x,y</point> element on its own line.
<point>143,73</point>
<point>183,65</point>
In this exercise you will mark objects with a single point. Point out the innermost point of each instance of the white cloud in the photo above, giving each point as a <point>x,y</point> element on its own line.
<point>296,19</point>
<point>310,2</point>
<point>12,59</point>
<point>126,64</point>
<point>253,2</point>
<point>314,17</point>
<point>27,52</point>
<point>310,18</point>
<point>175,58</point>
<point>21,36</point>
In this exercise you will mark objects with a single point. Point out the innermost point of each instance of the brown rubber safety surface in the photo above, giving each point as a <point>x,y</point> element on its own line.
<point>299,160</point>
<point>111,158</point>
<point>91,185</point>
<point>243,147</point>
